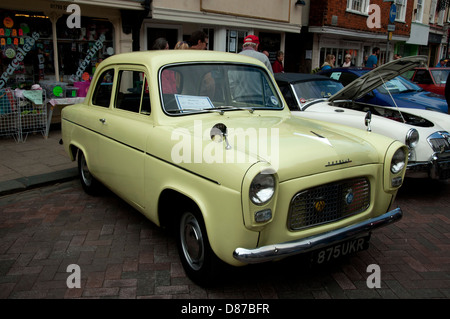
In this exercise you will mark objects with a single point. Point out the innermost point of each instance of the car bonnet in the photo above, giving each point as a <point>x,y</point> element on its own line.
<point>373,79</point>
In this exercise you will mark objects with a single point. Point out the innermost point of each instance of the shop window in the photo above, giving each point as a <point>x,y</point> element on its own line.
<point>235,40</point>
<point>25,49</point>
<point>103,89</point>
<point>81,49</point>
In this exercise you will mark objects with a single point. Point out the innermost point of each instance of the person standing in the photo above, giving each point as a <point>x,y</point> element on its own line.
<point>329,62</point>
<point>160,44</point>
<point>181,45</point>
<point>198,40</point>
<point>347,61</point>
<point>372,61</point>
<point>277,66</point>
<point>250,48</point>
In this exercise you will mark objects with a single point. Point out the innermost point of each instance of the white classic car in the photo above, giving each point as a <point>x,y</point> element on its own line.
<point>203,143</point>
<point>426,133</point>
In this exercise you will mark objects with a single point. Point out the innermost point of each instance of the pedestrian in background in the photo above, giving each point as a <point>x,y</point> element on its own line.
<point>198,40</point>
<point>160,44</point>
<point>277,66</point>
<point>372,61</point>
<point>250,48</point>
<point>347,61</point>
<point>329,62</point>
<point>181,45</point>
<point>441,63</point>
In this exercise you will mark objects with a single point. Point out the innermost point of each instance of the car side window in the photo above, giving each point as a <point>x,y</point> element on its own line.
<point>347,78</point>
<point>132,92</point>
<point>423,77</point>
<point>288,96</point>
<point>103,89</point>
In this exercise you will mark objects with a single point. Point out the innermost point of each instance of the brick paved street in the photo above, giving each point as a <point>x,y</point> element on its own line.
<point>122,255</point>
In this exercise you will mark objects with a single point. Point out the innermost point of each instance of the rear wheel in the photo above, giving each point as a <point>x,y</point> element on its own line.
<point>89,183</point>
<point>199,261</point>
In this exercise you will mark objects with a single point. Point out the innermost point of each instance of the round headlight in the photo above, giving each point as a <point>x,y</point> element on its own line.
<point>262,188</point>
<point>398,161</point>
<point>412,138</point>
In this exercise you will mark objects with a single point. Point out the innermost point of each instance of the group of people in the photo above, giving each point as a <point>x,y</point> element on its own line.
<point>199,41</point>
<point>369,62</point>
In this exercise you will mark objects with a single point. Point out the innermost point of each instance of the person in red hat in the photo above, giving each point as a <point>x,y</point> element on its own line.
<point>250,48</point>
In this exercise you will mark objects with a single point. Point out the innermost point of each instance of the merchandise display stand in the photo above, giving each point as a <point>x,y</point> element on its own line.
<point>33,113</point>
<point>9,115</point>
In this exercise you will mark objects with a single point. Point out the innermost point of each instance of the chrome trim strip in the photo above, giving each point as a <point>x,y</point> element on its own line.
<point>276,251</point>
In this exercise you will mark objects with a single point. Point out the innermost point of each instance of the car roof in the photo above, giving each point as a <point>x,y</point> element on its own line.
<point>162,57</point>
<point>299,77</point>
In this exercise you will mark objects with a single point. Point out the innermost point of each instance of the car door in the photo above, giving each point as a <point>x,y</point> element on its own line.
<point>124,133</point>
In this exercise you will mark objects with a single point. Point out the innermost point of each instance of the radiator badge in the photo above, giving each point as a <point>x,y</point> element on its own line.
<point>339,162</point>
<point>319,206</point>
<point>349,197</point>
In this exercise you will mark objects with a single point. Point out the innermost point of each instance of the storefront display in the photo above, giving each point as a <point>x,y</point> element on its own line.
<point>29,57</point>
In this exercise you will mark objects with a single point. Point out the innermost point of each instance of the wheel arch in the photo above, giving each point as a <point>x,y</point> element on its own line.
<point>169,204</point>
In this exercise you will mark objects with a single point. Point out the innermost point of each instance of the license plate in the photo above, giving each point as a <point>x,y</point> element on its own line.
<point>341,249</point>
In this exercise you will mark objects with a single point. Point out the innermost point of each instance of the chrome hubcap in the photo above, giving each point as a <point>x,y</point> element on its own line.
<point>192,241</point>
<point>85,174</point>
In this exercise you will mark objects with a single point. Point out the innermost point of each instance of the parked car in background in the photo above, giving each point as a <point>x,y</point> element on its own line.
<point>426,133</point>
<point>203,143</point>
<point>396,92</point>
<point>429,79</point>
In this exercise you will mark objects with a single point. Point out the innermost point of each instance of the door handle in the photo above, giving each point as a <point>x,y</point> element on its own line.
<point>102,120</point>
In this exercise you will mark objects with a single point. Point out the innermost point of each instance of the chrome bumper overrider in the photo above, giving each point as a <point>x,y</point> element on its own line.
<point>304,245</point>
<point>437,168</point>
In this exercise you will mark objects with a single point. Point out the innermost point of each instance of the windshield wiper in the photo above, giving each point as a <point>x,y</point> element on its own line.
<point>209,110</point>
<point>230,107</point>
<point>220,109</point>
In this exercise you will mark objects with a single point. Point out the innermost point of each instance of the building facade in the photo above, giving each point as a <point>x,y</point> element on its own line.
<point>355,27</point>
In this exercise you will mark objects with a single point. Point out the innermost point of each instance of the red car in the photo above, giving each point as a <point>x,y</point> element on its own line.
<point>430,79</point>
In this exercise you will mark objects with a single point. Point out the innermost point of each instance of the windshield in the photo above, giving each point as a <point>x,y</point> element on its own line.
<point>440,76</point>
<point>398,85</point>
<point>193,88</point>
<point>316,89</point>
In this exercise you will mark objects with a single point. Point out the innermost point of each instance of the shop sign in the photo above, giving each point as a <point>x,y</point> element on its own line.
<point>19,56</point>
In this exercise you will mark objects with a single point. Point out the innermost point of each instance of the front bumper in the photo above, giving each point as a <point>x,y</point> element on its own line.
<point>437,168</point>
<point>304,245</point>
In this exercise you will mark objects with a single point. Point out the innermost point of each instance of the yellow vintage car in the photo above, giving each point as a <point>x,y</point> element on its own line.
<point>203,143</point>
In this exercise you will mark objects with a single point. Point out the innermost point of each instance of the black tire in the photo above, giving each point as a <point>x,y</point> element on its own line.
<point>200,263</point>
<point>88,182</point>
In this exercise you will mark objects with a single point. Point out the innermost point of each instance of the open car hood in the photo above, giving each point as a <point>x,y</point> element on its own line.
<point>373,79</point>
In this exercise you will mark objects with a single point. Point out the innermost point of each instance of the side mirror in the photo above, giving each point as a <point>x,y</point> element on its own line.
<point>367,121</point>
<point>219,133</point>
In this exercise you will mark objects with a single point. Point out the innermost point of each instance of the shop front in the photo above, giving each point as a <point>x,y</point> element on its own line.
<point>48,54</point>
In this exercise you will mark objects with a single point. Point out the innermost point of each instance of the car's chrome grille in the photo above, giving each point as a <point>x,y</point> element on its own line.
<point>328,203</point>
<point>439,144</point>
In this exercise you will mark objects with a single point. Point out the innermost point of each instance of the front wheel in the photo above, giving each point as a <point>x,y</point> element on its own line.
<point>198,260</point>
